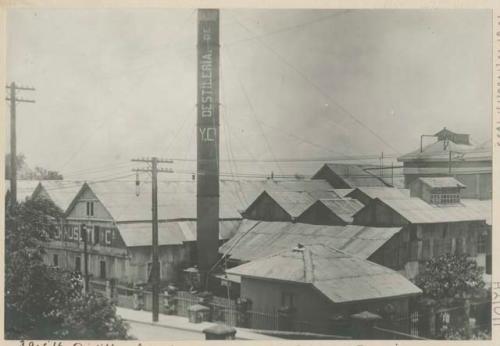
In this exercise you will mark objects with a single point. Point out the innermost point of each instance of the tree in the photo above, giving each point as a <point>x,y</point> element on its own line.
<point>450,276</point>
<point>45,302</point>
<point>24,172</point>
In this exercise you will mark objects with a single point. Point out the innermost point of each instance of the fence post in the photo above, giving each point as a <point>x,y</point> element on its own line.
<point>242,307</point>
<point>205,299</point>
<point>467,329</point>
<point>427,318</point>
<point>170,300</point>
<point>362,325</point>
<point>285,318</point>
<point>138,298</point>
<point>108,289</point>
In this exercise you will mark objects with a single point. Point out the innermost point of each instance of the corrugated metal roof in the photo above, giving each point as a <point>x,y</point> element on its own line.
<point>177,200</point>
<point>169,233</point>
<point>441,182</point>
<point>383,192</point>
<point>339,276</point>
<point>294,203</point>
<point>61,192</point>
<point>437,152</point>
<point>25,188</point>
<point>416,210</point>
<point>344,208</point>
<point>256,239</point>
<point>482,207</point>
<point>343,192</point>
<point>356,175</point>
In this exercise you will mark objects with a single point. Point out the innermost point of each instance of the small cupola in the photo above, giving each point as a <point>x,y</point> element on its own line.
<point>437,190</point>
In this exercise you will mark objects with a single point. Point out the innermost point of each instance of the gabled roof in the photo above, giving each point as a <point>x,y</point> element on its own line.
<point>339,276</point>
<point>294,203</point>
<point>25,188</point>
<point>169,233</point>
<point>382,192</point>
<point>417,211</point>
<point>344,208</point>
<point>355,175</point>
<point>177,199</point>
<point>441,182</point>
<point>256,239</point>
<point>61,192</point>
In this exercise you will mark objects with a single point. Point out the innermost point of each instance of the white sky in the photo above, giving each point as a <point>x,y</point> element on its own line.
<point>116,84</point>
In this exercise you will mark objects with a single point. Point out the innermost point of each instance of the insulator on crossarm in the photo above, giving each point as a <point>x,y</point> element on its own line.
<point>137,184</point>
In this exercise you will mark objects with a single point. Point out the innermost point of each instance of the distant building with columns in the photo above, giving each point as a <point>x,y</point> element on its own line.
<point>452,154</point>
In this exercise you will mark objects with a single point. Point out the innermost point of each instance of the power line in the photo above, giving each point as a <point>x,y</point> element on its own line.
<point>287,28</point>
<point>316,86</point>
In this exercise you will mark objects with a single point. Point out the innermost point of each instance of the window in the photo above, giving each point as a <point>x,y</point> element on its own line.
<point>287,299</point>
<point>78,264</point>
<point>445,198</point>
<point>55,260</point>
<point>108,236</point>
<point>482,242</point>
<point>76,233</point>
<point>90,208</point>
<point>96,234</point>
<point>102,270</point>
<point>57,233</point>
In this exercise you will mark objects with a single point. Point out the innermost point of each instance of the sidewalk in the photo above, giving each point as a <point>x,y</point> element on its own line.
<point>182,323</point>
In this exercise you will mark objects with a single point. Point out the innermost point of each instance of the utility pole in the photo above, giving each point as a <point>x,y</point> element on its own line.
<point>13,152</point>
<point>85,258</point>
<point>155,265</point>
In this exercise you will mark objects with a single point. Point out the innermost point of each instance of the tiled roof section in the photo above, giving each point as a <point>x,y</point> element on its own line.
<point>441,182</point>
<point>169,233</point>
<point>383,192</point>
<point>256,239</point>
<point>61,192</point>
<point>344,208</point>
<point>417,211</point>
<point>25,188</point>
<point>356,175</point>
<point>177,199</point>
<point>339,276</point>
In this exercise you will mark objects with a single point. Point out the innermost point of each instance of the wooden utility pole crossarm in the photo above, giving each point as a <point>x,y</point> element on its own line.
<point>155,265</point>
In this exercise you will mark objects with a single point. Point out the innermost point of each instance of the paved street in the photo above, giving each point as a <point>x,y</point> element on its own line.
<point>143,331</point>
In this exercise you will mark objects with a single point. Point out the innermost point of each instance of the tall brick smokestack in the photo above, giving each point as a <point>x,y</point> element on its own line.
<point>207,224</point>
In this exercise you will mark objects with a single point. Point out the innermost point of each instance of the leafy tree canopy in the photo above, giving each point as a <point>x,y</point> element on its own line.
<point>450,276</point>
<point>45,302</point>
<point>24,172</point>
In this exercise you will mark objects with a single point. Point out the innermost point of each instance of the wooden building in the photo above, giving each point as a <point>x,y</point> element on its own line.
<point>117,216</point>
<point>285,205</point>
<point>429,230</point>
<point>316,285</point>
<point>452,154</point>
